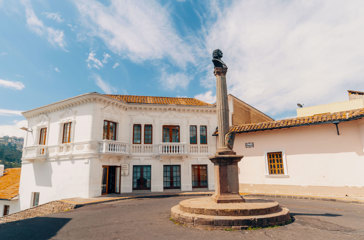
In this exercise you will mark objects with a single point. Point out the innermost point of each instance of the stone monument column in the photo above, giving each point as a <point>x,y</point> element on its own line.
<point>225,160</point>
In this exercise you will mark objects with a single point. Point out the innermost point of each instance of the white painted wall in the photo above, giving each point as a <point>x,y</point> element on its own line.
<point>14,206</point>
<point>314,155</point>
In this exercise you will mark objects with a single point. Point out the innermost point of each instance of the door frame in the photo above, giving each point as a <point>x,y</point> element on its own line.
<point>142,174</point>
<point>199,176</point>
<point>107,178</point>
<point>171,176</point>
<point>170,127</point>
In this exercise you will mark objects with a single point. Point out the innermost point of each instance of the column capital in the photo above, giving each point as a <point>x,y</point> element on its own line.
<point>219,71</point>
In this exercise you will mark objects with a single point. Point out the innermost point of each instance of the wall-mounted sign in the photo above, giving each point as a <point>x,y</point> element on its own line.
<point>249,144</point>
<point>124,169</point>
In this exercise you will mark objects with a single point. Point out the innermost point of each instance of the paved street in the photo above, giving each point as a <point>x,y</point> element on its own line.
<point>148,218</point>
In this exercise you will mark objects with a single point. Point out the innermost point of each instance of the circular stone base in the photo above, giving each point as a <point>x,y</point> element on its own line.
<point>206,213</point>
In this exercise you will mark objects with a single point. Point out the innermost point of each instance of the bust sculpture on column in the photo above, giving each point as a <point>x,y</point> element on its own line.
<point>225,160</point>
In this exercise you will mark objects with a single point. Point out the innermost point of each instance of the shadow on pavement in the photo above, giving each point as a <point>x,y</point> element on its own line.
<point>39,228</point>
<point>316,214</point>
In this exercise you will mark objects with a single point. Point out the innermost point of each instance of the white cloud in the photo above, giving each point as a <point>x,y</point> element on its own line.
<point>139,30</point>
<point>106,58</point>
<point>11,84</point>
<point>104,86</point>
<point>13,130</point>
<point>57,69</point>
<point>7,112</point>
<point>115,65</point>
<point>206,97</point>
<point>3,53</point>
<point>173,81</point>
<point>54,16</point>
<point>93,62</point>
<point>54,36</point>
<point>283,52</point>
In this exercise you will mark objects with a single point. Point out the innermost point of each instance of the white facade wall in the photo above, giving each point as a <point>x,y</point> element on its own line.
<point>317,161</point>
<point>75,170</point>
<point>63,175</point>
<point>13,204</point>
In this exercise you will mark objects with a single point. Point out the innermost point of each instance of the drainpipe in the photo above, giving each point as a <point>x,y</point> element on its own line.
<point>336,122</point>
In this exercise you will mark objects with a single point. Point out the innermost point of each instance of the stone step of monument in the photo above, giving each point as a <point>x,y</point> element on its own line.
<point>251,207</point>
<point>226,222</point>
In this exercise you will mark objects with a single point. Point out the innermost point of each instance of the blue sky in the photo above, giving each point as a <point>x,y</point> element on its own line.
<point>278,52</point>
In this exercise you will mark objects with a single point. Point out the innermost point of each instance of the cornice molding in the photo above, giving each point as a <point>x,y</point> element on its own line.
<point>105,100</point>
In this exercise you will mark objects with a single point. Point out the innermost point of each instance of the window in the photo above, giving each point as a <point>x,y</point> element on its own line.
<point>6,210</point>
<point>199,176</point>
<point>42,136</point>
<point>203,134</point>
<point>170,133</point>
<point>137,134</point>
<point>66,136</point>
<point>275,163</point>
<point>109,130</point>
<point>148,134</point>
<point>172,176</point>
<point>35,199</point>
<point>141,177</point>
<point>193,134</point>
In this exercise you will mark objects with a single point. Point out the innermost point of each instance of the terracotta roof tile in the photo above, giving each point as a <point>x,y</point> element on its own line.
<point>159,100</point>
<point>300,121</point>
<point>9,183</point>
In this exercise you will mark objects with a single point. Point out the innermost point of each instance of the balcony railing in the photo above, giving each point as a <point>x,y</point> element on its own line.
<point>172,149</point>
<point>36,152</point>
<point>152,149</point>
<point>42,152</point>
<point>113,147</point>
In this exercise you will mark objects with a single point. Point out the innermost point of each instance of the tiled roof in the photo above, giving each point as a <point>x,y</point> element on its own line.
<point>355,92</point>
<point>159,100</point>
<point>9,183</point>
<point>301,121</point>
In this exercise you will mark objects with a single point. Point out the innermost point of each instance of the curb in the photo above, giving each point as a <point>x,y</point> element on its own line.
<point>78,205</point>
<point>306,197</point>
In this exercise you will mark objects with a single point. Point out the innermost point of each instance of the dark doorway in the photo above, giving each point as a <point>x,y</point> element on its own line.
<point>141,177</point>
<point>110,179</point>
<point>172,177</point>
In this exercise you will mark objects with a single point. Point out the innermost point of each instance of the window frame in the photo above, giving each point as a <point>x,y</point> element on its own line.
<point>284,160</point>
<point>205,143</point>
<point>170,127</point>
<point>6,210</point>
<point>140,140</point>
<point>41,130</point>
<point>35,200</point>
<point>195,126</point>
<point>108,130</point>
<point>151,133</point>
<point>69,137</point>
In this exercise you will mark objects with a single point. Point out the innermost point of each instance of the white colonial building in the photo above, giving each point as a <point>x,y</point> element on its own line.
<point>96,144</point>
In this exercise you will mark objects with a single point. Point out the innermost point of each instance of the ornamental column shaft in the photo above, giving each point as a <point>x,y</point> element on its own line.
<point>222,107</point>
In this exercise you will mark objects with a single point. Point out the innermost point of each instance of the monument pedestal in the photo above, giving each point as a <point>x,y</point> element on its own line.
<point>226,177</point>
<point>207,214</point>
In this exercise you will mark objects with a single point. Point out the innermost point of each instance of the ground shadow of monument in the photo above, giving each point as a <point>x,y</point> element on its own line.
<point>39,228</point>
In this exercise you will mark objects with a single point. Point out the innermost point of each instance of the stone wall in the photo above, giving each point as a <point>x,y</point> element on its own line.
<point>41,210</point>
